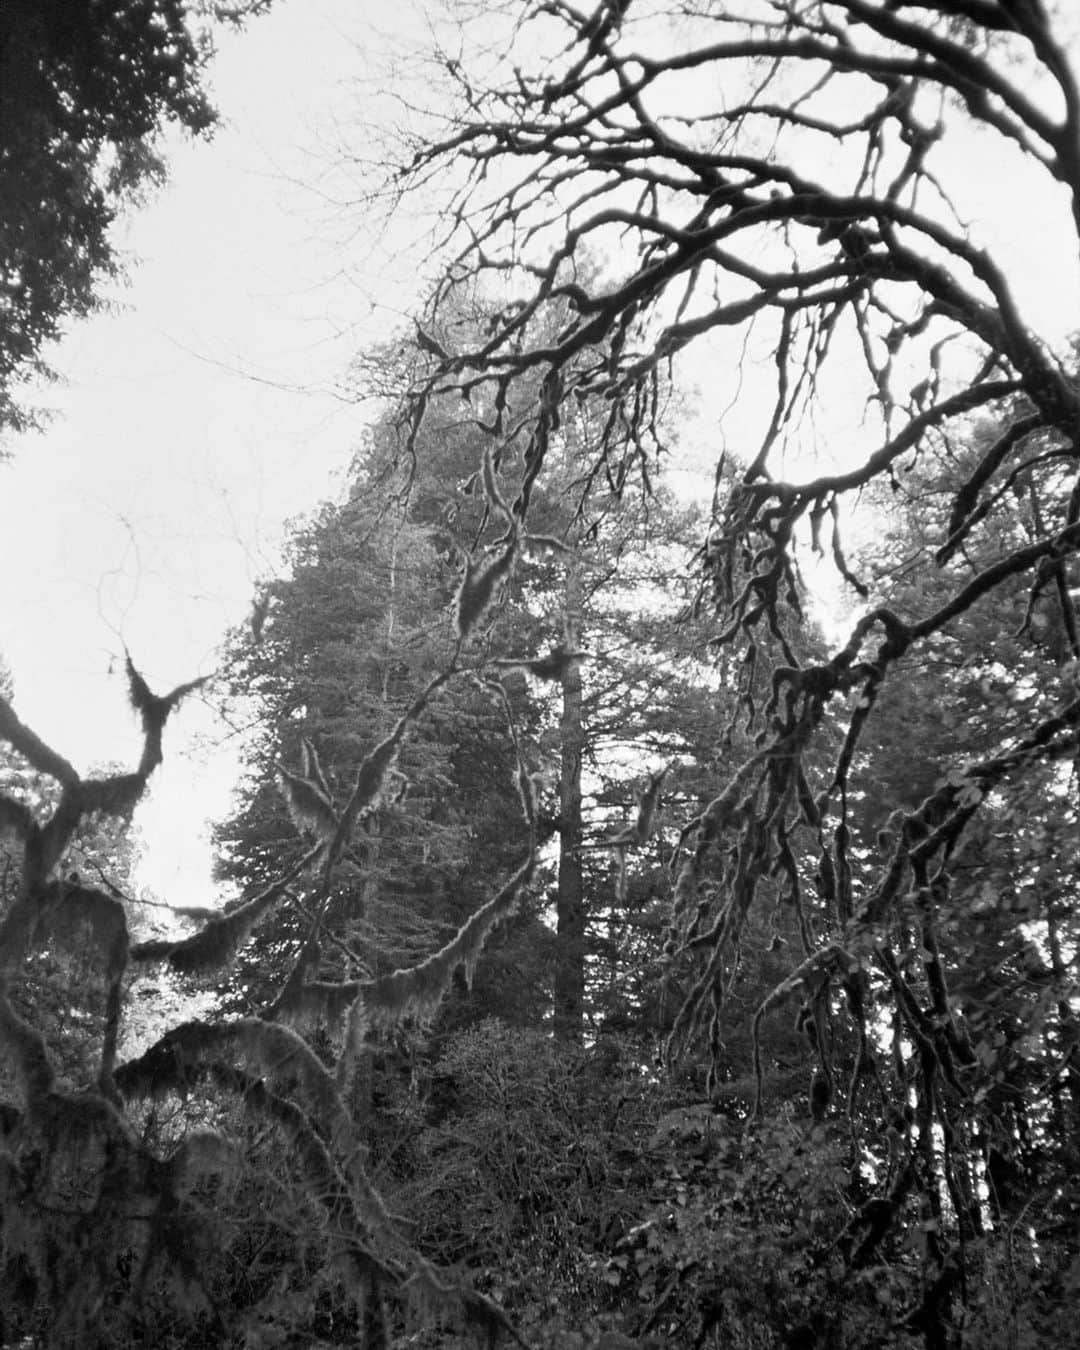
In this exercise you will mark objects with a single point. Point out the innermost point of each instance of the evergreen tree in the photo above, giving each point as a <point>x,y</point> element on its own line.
<point>998,926</point>
<point>345,643</point>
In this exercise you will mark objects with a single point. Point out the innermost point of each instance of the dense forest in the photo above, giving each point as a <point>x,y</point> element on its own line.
<point>631,943</point>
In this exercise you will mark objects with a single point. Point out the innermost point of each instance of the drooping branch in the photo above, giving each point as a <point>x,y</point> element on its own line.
<point>176,1062</point>
<point>415,991</point>
<point>359,1217</point>
<point>41,756</point>
<point>358,1208</point>
<point>937,823</point>
<point>965,512</point>
<point>418,990</point>
<point>78,919</point>
<point>376,765</point>
<point>309,805</point>
<point>361,1224</point>
<point>214,945</point>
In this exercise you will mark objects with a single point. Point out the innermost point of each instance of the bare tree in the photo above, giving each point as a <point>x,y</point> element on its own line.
<point>789,175</point>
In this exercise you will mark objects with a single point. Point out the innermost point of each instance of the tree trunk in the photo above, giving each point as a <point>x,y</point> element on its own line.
<point>570,905</point>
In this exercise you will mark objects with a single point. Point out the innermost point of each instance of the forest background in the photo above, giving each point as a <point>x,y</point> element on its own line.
<point>616,957</point>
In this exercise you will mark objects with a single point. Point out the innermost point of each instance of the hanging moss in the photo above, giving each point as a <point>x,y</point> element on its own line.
<point>26,1047</point>
<point>347,1196</point>
<point>552,667</point>
<point>311,1002</point>
<point>418,990</point>
<point>264,1061</point>
<point>215,945</point>
<point>154,710</point>
<point>491,487</point>
<point>84,922</point>
<point>179,1059</point>
<point>16,818</point>
<point>203,1153</point>
<point>309,809</point>
<point>479,584</point>
<point>375,768</point>
<point>115,795</point>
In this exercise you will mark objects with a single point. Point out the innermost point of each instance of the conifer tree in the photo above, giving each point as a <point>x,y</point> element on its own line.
<point>347,640</point>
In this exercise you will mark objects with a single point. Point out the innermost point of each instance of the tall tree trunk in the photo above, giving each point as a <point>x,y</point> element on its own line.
<point>570,902</point>
<point>1065,1086</point>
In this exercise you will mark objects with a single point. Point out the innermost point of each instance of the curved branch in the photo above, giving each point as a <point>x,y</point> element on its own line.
<point>41,756</point>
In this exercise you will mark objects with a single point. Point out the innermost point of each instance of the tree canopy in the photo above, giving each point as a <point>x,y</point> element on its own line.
<point>809,210</point>
<point>788,180</point>
<point>802,1071</point>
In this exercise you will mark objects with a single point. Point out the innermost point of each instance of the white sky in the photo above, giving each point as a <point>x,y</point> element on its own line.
<point>200,415</point>
<point>159,492</point>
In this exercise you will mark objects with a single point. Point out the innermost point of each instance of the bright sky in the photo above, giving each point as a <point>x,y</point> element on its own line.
<point>196,419</point>
<point>200,415</point>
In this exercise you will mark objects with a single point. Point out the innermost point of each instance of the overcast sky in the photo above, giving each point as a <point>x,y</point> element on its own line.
<point>199,415</point>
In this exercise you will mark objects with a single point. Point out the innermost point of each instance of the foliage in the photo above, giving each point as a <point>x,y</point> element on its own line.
<point>867,978</point>
<point>522,1164</point>
<point>815,212</point>
<point>346,643</point>
<point>740,1246</point>
<point>75,1163</point>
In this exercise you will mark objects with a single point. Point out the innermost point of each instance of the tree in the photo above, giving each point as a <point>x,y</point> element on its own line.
<point>1001,919</point>
<point>342,644</point>
<point>630,719</point>
<point>728,228</point>
<point>815,210</point>
<point>99,1162</point>
<point>636,726</point>
<point>84,93</point>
